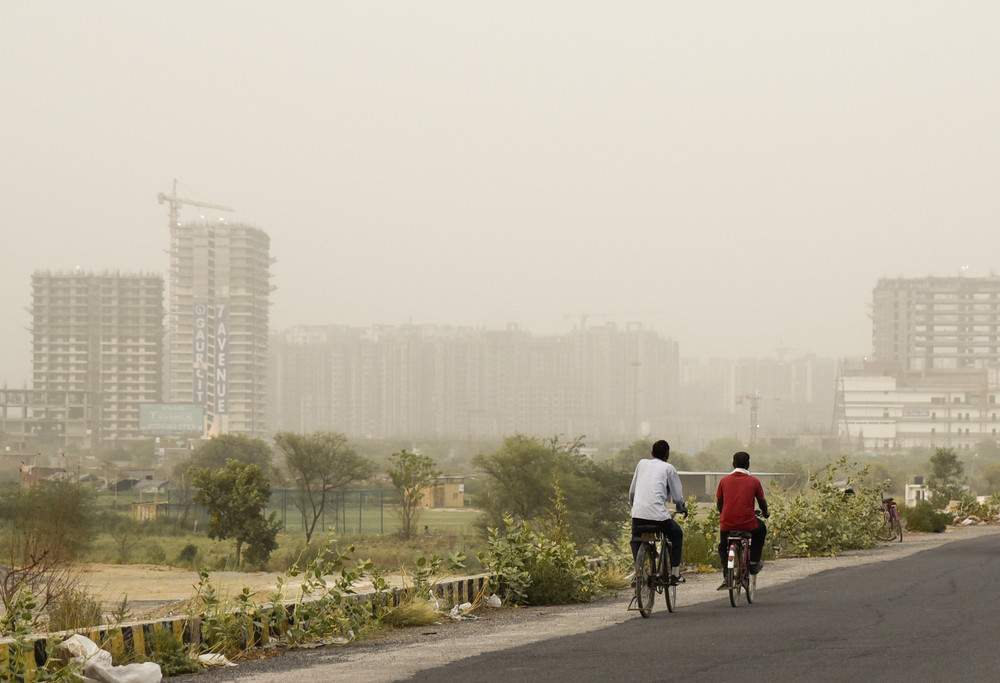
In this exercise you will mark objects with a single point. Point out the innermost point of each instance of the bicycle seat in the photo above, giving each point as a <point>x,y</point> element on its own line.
<point>647,529</point>
<point>740,534</point>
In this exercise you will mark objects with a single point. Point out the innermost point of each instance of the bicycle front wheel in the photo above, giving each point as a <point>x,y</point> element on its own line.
<point>750,585</point>
<point>736,576</point>
<point>897,526</point>
<point>645,580</point>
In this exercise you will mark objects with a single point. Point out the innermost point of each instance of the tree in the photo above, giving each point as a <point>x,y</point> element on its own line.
<point>236,499</point>
<point>217,451</point>
<point>988,448</point>
<point>991,474</point>
<point>43,529</point>
<point>945,479</point>
<point>318,463</point>
<point>411,474</point>
<point>627,458</point>
<point>521,481</point>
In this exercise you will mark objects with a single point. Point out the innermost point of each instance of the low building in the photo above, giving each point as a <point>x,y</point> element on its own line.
<point>883,412</point>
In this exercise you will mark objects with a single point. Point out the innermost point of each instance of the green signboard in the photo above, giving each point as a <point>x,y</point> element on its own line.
<point>171,418</point>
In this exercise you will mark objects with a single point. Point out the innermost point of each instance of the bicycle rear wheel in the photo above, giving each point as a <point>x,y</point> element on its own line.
<point>736,575</point>
<point>887,530</point>
<point>645,580</point>
<point>897,525</point>
<point>669,592</point>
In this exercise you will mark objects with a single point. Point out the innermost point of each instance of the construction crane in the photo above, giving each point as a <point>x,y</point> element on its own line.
<point>175,204</point>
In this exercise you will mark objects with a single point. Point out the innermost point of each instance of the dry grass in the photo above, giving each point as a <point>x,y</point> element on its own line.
<point>412,611</point>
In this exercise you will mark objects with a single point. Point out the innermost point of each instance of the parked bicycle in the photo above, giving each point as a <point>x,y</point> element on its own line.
<point>891,527</point>
<point>652,570</point>
<point>739,578</point>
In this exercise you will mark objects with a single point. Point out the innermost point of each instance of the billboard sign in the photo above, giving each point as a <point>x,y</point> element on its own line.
<point>171,418</point>
<point>221,357</point>
<point>200,354</point>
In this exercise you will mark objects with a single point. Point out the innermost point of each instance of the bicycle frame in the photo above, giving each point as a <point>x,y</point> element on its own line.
<point>892,521</point>
<point>738,566</point>
<point>653,544</point>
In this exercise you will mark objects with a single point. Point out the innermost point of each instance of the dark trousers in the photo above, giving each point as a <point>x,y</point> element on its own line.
<point>671,529</point>
<point>757,537</point>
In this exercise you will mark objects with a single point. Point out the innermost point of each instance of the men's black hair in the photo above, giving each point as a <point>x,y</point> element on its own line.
<point>741,459</point>
<point>661,450</point>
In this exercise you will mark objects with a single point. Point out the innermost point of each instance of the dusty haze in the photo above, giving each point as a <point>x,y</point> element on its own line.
<point>736,176</point>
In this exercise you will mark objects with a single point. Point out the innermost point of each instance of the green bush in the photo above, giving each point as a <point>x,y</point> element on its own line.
<point>171,654</point>
<point>188,555</point>
<point>528,568</point>
<point>701,536</point>
<point>923,517</point>
<point>970,506</point>
<point>153,553</point>
<point>822,519</point>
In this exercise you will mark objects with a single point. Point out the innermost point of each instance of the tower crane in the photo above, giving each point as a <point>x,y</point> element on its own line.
<point>175,204</point>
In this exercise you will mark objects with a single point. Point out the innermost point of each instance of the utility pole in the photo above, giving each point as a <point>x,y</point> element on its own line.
<point>754,400</point>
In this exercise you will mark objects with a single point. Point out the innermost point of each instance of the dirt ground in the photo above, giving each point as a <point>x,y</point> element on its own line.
<point>156,591</point>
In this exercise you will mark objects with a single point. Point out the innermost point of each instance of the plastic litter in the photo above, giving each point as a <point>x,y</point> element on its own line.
<point>459,612</point>
<point>493,601</point>
<point>96,666</point>
<point>214,660</point>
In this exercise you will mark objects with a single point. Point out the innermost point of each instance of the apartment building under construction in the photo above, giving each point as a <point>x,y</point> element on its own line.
<point>218,323</point>
<point>97,350</point>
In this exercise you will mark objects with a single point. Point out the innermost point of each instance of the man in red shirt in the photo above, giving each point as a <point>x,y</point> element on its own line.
<point>735,499</point>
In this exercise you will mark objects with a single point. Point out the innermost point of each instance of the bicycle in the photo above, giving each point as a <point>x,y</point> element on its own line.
<point>739,578</point>
<point>891,526</point>
<point>652,570</point>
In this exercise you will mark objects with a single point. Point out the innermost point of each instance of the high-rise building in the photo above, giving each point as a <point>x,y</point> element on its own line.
<point>97,338</point>
<point>934,375</point>
<point>217,329</point>
<point>932,325</point>
<point>425,381</point>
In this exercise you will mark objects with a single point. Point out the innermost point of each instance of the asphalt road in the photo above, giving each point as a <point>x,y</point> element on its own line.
<point>931,616</point>
<point>897,613</point>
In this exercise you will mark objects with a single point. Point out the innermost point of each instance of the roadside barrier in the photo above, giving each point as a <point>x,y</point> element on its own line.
<point>136,636</point>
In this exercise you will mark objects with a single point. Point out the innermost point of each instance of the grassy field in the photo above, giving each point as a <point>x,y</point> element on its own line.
<point>374,533</point>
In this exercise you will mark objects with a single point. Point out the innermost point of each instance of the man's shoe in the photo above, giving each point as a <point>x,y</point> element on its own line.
<point>675,580</point>
<point>756,567</point>
<point>723,587</point>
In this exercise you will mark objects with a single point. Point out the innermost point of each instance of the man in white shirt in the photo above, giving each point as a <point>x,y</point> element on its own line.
<point>655,482</point>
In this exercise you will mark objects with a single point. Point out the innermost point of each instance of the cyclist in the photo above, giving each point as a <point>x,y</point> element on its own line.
<point>735,498</point>
<point>655,482</point>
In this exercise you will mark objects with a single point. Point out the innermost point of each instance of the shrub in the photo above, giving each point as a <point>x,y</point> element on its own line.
<point>923,517</point>
<point>171,654</point>
<point>74,609</point>
<point>823,520</point>
<point>153,553</point>
<point>530,569</point>
<point>188,555</point>
<point>970,506</point>
<point>701,536</point>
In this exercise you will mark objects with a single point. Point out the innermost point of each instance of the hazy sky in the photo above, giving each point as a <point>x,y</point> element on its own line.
<point>735,175</point>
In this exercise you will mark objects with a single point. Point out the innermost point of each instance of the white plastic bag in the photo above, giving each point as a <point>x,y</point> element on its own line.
<point>96,666</point>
